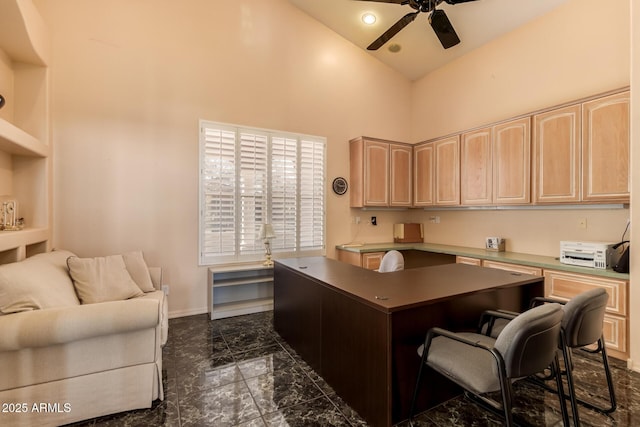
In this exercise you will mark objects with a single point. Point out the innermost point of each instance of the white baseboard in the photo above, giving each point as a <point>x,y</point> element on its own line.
<point>185,313</point>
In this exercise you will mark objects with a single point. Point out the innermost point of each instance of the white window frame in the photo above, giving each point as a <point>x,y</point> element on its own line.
<point>245,250</point>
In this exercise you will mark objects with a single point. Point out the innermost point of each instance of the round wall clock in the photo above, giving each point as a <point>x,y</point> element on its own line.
<point>340,185</point>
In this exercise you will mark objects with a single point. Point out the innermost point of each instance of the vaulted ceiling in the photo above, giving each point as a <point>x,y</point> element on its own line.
<point>476,23</point>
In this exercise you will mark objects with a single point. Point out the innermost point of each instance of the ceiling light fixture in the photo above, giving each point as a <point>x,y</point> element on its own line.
<point>369,18</point>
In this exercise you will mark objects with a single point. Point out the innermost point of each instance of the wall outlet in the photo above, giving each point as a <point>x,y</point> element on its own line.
<point>582,223</point>
<point>434,219</point>
<point>374,220</point>
<point>165,289</point>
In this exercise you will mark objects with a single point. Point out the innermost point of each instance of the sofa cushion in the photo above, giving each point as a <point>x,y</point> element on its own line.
<point>38,282</point>
<point>102,279</point>
<point>137,268</point>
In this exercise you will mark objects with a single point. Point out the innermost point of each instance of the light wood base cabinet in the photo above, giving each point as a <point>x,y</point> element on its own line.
<point>562,285</point>
<point>368,260</point>
<point>468,260</point>
<point>516,268</point>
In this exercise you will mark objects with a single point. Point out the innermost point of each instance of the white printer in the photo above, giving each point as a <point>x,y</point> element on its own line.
<point>586,254</point>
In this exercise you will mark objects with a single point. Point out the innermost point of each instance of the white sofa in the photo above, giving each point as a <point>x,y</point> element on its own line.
<point>63,361</point>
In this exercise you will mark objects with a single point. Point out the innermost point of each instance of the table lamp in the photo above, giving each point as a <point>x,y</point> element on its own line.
<point>266,234</point>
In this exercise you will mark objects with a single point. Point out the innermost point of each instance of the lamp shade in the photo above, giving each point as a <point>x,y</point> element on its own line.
<point>266,232</point>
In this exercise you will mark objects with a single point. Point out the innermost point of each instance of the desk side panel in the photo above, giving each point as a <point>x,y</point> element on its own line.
<point>297,313</point>
<point>356,355</point>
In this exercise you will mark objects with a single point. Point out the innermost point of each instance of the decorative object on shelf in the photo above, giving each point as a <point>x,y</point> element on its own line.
<point>2,101</point>
<point>340,186</point>
<point>9,212</point>
<point>266,234</point>
<point>495,244</point>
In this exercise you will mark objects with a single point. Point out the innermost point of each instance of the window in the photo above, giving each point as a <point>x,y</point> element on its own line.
<point>252,176</point>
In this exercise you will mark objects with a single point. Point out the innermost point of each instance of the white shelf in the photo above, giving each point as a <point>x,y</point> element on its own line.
<point>25,145</point>
<point>240,289</point>
<point>241,308</point>
<point>240,282</point>
<point>14,140</point>
<point>28,236</point>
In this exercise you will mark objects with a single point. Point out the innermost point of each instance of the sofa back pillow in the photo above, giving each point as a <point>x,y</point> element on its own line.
<point>102,279</point>
<point>38,282</point>
<point>137,268</point>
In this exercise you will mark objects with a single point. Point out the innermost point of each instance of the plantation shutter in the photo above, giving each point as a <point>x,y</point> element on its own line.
<point>312,208</point>
<point>249,177</point>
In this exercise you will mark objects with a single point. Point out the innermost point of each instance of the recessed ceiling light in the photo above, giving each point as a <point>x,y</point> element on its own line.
<point>394,48</point>
<point>369,18</point>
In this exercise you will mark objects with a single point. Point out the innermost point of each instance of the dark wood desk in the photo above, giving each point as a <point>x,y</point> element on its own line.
<point>360,329</point>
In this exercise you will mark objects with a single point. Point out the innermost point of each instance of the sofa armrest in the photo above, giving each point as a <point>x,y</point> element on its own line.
<point>40,328</point>
<point>156,277</point>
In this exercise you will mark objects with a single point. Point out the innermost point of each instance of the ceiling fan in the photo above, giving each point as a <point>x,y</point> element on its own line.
<point>438,20</point>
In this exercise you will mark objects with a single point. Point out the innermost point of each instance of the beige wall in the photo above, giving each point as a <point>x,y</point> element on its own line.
<point>131,80</point>
<point>577,50</point>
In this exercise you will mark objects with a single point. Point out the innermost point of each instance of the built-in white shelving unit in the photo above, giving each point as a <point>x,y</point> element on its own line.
<point>25,148</point>
<point>240,289</point>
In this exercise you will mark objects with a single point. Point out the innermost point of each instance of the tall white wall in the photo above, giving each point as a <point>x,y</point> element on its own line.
<point>132,79</point>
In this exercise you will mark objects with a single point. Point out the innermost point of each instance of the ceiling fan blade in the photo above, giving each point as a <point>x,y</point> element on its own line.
<point>395,29</point>
<point>391,1</point>
<point>443,29</point>
<point>457,1</point>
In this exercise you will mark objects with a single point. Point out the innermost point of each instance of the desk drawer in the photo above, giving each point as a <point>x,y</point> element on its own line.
<point>524,269</point>
<point>468,260</point>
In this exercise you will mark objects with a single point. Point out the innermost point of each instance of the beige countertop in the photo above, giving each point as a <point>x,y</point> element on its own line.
<point>544,262</point>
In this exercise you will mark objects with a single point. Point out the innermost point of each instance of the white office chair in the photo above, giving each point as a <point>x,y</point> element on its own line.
<point>391,261</point>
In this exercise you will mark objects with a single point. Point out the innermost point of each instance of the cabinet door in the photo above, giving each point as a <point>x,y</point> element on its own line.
<point>475,168</point>
<point>605,149</point>
<point>376,173</point>
<point>615,328</point>
<point>400,175</point>
<point>511,162</point>
<point>372,260</point>
<point>556,155</point>
<point>447,171</point>
<point>423,162</point>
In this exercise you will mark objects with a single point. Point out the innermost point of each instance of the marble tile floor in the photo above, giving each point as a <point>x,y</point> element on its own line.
<point>239,372</point>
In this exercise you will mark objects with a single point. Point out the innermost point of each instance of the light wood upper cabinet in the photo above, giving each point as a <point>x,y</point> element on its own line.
<point>401,181</point>
<point>423,173</point>
<point>380,173</point>
<point>447,171</point>
<point>605,149</point>
<point>511,162</point>
<point>556,155</point>
<point>437,172</point>
<point>476,175</point>
<point>376,173</point>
